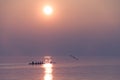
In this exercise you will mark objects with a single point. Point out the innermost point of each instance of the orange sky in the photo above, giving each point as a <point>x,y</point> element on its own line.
<point>74,22</point>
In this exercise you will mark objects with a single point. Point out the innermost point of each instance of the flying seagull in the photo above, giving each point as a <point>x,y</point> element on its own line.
<point>73,57</point>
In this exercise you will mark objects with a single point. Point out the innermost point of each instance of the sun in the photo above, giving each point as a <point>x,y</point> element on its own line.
<point>48,10</point>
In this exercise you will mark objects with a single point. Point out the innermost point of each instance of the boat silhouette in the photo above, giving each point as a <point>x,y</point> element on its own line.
<point>46,60</point>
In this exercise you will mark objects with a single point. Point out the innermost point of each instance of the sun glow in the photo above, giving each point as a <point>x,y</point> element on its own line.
<point>48,10</point>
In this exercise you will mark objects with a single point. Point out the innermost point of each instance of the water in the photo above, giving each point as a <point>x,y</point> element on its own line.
<point>62,70</point>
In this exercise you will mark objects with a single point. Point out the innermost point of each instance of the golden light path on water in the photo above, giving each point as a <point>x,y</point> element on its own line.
<point>48,71</point>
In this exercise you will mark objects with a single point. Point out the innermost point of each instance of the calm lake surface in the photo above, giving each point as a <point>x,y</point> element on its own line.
<point>100,68</point>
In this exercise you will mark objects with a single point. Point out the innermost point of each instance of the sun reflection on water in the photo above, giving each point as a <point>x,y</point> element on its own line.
<point>48,71</point>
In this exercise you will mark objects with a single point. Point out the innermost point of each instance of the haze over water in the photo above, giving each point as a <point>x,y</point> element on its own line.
<point>88,29</point>
<point>66,68</point>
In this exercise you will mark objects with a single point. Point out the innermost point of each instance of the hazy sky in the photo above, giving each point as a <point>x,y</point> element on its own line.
<point>80,27</point>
